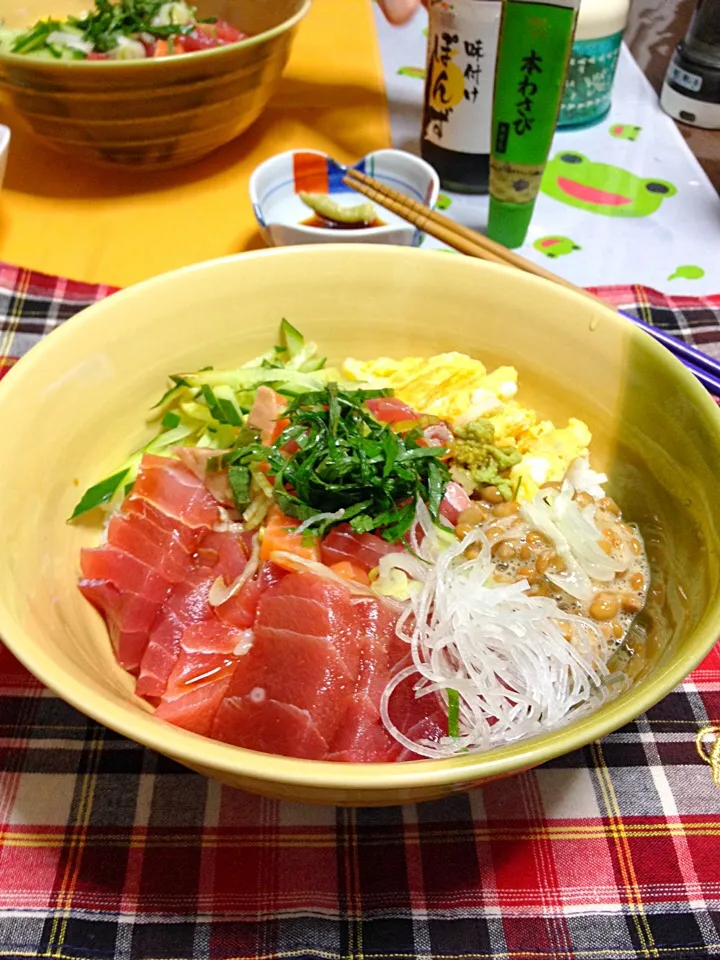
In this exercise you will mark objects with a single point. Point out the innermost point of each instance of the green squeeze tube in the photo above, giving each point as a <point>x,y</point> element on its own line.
<point>534,49</point>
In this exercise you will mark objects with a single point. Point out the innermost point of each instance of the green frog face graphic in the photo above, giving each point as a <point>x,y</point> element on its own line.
<point>601,188</point>
<point>555,246</point>
<point>624,131</point>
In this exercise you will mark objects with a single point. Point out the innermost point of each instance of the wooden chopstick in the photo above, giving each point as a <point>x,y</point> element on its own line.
<point>474,244</point>
<point>454,234</point>
<point>425,219</point>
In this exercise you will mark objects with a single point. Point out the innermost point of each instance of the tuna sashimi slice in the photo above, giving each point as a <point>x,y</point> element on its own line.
<point>176,491</point>
<point>168,526</point>
<point>362,736</point>
<point>306,653</point>
<point>125,572</point>
<point>390,410</point>
<point>257,723</point>
<point>218,555</point>
<point>419,718</point>
<point>303,671</point>
<point>241,610</point>
<point>129,618</point>
<point>216,481</point>
<point>222,554</point>
<point>363,549</point>
<point>304,606</point>
<point>128,593</point>
<point>454,502</point>
<point>163,550</point>
<point>187,604</point>
<point>200,676</point>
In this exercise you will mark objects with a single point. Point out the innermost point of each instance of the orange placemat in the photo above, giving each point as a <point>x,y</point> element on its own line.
<point>98,225</point>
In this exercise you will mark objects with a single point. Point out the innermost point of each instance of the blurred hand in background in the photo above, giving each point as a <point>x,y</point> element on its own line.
<point>399,11</point>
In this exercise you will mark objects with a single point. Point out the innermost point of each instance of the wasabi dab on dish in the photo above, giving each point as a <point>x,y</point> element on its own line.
<point>126,30</point>
<point>330,213</point>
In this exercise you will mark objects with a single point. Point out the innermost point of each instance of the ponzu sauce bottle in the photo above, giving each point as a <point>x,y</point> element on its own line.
<point>460,71</point>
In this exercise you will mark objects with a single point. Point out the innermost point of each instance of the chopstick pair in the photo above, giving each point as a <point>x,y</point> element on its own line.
<point>474,244</point>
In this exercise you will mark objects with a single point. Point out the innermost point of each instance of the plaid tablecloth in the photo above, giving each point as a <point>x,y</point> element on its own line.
<point>110,851</point>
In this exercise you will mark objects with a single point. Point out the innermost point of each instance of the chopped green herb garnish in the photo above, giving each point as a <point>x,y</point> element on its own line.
<point>101,493</point>
<point>239,477</point>
<point>347,459</point>
<point>108,21</point>
<point>453,713</point>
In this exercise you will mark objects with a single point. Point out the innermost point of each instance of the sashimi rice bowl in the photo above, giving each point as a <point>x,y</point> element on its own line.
<point>384,560</point>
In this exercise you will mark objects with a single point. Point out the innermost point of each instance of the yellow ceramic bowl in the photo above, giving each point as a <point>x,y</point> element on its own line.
<point>75,407</point>
<point>152,113</point>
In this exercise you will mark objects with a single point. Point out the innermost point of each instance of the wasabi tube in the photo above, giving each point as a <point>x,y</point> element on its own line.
<point>535,43</point>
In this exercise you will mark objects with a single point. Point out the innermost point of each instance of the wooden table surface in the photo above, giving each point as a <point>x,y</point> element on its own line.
<point>654,29</point>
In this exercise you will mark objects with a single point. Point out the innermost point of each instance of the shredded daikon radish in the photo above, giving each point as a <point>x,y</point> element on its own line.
<point>501,650</point>
<point>220,593</point>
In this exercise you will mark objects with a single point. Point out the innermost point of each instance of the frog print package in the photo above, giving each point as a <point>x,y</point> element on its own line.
<point>602,188</point>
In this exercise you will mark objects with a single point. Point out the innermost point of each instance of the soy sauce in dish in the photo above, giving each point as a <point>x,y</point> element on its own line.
<point>326,223</point>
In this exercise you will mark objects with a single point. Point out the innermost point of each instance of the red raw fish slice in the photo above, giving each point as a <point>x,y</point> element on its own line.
<point>265,414</point>
<point>419,718</point>
<point>304,606</point>
<point>128,593</point>
<point>160,549</point>
<point>216,481</point>
<point>241,610</point>
<point>364,549</point>
<point>305,652</point>
<point>168,526</point>
<point>129,618</point>
<point>454,502</point>
<point>268,726</point>
<point>124,571</point>
<point>362,736</point>
<point>175,490</point>
<point>186,605</point>
<point>305,672</point>
<point>200,677</point>
<point>222,554</point>
<point>218,555</point>
<point>390,410</point>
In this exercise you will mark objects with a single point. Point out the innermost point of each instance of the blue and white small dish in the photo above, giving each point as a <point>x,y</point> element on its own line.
<point>4,149</point>
<point>275,185</point>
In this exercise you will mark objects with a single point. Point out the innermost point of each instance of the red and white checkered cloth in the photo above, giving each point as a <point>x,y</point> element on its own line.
<point>111,852</point>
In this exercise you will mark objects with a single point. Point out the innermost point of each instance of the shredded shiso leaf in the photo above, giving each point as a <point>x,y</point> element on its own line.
<point>499,650</point>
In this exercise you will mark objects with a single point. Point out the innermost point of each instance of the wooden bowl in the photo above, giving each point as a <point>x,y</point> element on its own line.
<point>152,114</point>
